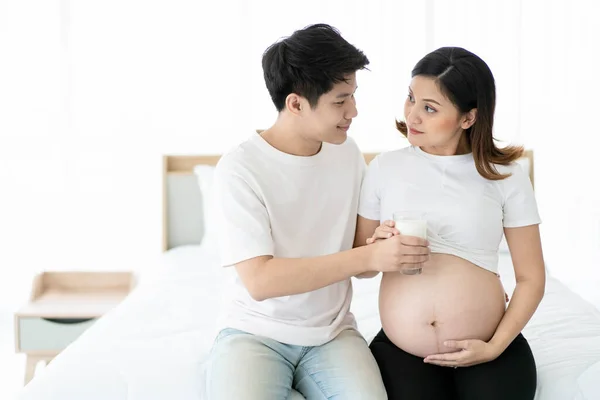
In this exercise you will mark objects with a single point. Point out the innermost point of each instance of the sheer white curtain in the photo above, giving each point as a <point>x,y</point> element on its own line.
<point>560,60</point>
<point>92,94</point>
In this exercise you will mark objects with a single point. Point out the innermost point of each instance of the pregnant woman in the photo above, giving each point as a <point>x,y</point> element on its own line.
<point>446,332</point>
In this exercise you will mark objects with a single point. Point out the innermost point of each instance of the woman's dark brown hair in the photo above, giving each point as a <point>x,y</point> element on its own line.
<point>467,81</point>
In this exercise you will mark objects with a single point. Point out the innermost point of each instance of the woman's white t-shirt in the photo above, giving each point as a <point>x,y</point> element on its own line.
<point>465,212</point>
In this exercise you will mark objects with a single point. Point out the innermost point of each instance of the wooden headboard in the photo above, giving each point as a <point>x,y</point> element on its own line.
<point>182,199</point>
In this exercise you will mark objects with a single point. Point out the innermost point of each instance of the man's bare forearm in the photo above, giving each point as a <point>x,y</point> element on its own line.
<point>276,277</point>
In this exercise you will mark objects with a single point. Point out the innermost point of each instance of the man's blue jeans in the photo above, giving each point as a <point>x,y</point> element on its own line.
<point>249,367</point>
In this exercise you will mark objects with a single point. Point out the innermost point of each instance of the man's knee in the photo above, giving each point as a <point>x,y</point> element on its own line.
<point>233,350</point>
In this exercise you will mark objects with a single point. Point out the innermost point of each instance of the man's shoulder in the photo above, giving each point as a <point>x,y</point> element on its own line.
<point>238,158</point>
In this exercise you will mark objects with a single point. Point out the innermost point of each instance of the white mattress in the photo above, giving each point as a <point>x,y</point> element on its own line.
<point>154,344</point>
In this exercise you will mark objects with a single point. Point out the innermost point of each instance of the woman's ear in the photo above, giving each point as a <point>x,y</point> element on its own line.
<point>469,119</point>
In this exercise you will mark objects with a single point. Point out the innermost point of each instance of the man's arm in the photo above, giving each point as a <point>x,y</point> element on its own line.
<point>265,277</point>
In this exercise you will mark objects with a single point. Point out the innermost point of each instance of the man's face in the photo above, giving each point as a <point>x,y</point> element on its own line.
<point>330,120</point>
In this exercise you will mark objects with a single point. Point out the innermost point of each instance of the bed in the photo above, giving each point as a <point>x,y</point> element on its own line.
<point>154,345</point>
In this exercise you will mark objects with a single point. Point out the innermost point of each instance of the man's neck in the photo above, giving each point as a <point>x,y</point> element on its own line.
<point>286,139</point>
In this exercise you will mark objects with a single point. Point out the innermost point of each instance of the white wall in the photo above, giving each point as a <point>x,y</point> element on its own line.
<point>93,93</point>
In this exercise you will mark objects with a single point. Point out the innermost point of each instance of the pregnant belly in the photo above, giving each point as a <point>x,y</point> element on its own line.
<point>452,299</point>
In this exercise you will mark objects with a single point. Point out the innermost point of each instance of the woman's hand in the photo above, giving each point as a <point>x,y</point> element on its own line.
<point>384,231</point>
<point>470,352</point>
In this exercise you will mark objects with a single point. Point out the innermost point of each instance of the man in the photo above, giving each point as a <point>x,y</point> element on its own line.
<point>288,201</point>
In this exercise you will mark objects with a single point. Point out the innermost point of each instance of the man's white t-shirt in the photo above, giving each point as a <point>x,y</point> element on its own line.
<point>276,204</point>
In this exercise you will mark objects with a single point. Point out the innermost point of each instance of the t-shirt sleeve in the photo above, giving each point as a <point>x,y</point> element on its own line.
<point>520,207</point>
<point>243,225</point>
<point>369,205</point>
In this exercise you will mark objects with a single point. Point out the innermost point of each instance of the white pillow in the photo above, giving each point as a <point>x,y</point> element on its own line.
<point>205,177</point>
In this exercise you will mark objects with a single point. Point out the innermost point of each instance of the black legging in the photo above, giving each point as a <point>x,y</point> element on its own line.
<point>511,376</point>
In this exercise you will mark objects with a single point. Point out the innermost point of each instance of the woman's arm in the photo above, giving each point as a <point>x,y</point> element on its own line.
<point>526,251</point>
<point>364,230</point>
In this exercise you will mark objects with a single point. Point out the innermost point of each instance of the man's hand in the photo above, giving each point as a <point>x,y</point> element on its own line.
<point>398,251</point>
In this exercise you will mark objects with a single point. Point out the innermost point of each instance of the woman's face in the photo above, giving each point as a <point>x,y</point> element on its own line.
<point>434,123</point>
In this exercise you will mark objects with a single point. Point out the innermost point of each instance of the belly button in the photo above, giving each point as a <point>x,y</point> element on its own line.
<point>433,324</point>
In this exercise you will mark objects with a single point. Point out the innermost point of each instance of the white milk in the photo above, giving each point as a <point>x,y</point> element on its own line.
<point>412,227</point>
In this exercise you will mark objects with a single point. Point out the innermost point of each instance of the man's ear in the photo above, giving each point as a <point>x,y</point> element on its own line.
<point>295,103</point>
<point>469,119</point>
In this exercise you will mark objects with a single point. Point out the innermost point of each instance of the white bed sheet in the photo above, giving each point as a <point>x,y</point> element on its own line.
<point>154,344</point>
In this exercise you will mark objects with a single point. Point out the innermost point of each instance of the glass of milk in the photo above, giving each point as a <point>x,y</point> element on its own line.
<point>411,223</point>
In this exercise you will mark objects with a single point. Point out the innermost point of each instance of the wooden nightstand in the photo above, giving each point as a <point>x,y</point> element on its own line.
<point>61,307</point>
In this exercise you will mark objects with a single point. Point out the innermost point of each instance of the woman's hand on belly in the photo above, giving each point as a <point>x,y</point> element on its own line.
<point>469,352</point>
